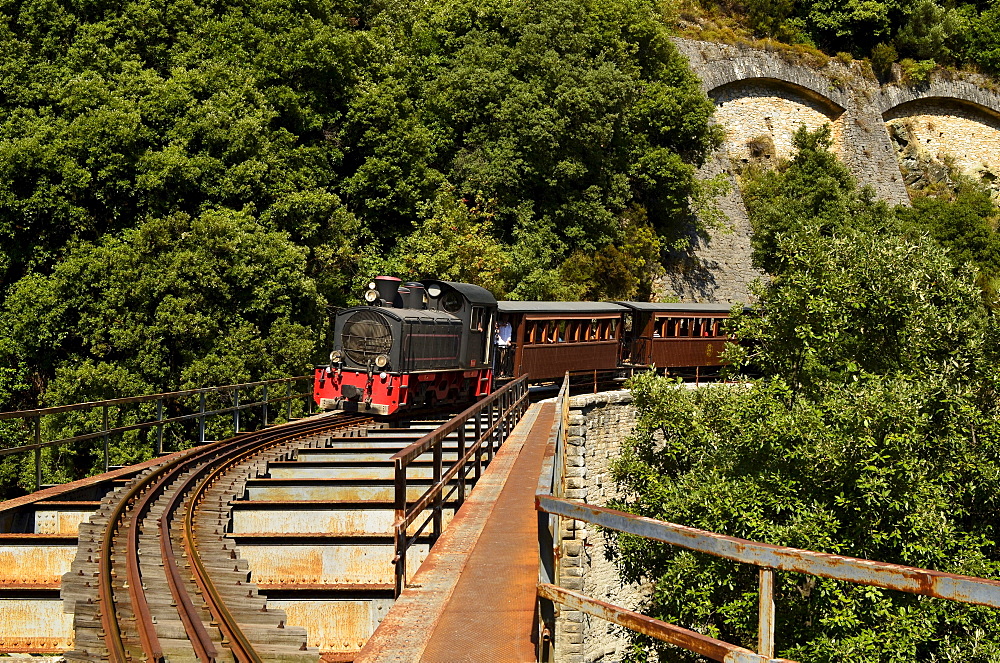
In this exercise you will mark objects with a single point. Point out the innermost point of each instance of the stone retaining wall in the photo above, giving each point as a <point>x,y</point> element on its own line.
<point>598,424</point>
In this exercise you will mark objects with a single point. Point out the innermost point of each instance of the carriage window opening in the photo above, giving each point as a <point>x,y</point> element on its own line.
<point>477,319</point>
<point>550,331</point>
<point>683,330</point>
<point>614,329</point>
<point>605,330</point>
<point>562,331</point>
<point>696,327</point>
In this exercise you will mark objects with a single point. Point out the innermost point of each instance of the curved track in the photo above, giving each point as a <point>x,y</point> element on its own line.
<point>162,551</point>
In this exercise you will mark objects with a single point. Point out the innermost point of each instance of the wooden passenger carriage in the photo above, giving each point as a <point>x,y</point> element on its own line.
<point>675,335</point>
<point>550,338</point>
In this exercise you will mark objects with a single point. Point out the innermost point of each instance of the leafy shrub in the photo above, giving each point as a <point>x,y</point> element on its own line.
<point>917,72</point>
<point>883,56</point>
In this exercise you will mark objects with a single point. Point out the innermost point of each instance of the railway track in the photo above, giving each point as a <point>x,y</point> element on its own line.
<point>156,578</point>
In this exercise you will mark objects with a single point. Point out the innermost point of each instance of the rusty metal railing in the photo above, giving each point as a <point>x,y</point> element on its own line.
<point>768,558</point>
<point>270,390</point>
<point>551,481</point>
<point>492,419</point>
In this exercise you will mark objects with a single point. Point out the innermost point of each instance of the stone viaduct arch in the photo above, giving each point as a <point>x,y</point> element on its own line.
<point>878,132</point>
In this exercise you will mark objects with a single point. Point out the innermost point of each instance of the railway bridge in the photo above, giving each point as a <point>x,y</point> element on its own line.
<point>301,537</point>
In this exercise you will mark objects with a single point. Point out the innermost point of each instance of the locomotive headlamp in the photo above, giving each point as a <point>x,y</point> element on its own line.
<point>371,285</point>
<point>371,296</point>
<point>382,361</point>
<point>336,356</point>
<point>434,290</point>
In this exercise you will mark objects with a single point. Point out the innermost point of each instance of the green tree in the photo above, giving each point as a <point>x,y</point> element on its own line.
<point>929,32</point>
<point>894,468</point>
<point>873,434</point>
<point>814,191</point>
<point>455,243</point>
<point>176,303</point>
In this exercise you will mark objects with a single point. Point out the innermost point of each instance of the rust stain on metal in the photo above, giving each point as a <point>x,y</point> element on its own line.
<point>61,522</point>
<point>35,626</point>
<point>34,564</point>
<point>335,627</point>
<point>927,582</point>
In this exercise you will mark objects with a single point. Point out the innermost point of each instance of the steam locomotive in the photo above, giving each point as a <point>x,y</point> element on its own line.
<point>433,342</point>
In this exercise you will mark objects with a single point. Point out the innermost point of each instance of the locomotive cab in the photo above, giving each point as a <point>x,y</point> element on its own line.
<point>422,344</point>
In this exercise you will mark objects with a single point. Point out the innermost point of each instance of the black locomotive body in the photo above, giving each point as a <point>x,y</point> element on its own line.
<point>422,344</point>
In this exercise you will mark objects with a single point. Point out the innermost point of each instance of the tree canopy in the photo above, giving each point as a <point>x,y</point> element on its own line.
<point>187,187</point>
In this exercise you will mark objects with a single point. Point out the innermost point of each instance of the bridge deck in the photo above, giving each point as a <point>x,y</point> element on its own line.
<point>474,597</point>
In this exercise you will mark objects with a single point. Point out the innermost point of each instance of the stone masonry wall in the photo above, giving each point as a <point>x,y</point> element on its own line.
<point>750,109</point>
<point>950,131</point>
<point>762,98</point>
<point>598,424</point>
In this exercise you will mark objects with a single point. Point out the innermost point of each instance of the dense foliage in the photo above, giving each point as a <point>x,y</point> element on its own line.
<point>873,435</point>
<point>315,143</point>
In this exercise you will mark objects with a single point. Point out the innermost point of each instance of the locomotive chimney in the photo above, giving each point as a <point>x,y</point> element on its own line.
<point>387,287</point>
<point>402,298</point>
<point>416,297</point>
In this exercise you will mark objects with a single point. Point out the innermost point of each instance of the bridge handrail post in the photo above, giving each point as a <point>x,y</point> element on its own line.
<point>264,407</point>
<point>400,530</point>
<point>549,526</point>
<point>491,433</point>
<point>106,435</point>
<point>479,440</point>
<point>438,509</point>
<point>159,426</point>
<point>461,472</point>
<point>38,452</point>
<point>766,614</point>
<point>288,396</point>
<point>236,411</point>
<point>201,418</point>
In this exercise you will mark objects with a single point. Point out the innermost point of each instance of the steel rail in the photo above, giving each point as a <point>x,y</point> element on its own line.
<point>105,589</point>
<point>149,487</point>
<point>252,443</point>
<point>148,639</point>
<point>238,642</point>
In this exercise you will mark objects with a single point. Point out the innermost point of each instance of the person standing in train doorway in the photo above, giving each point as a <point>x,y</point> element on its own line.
<point>500,363</point>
